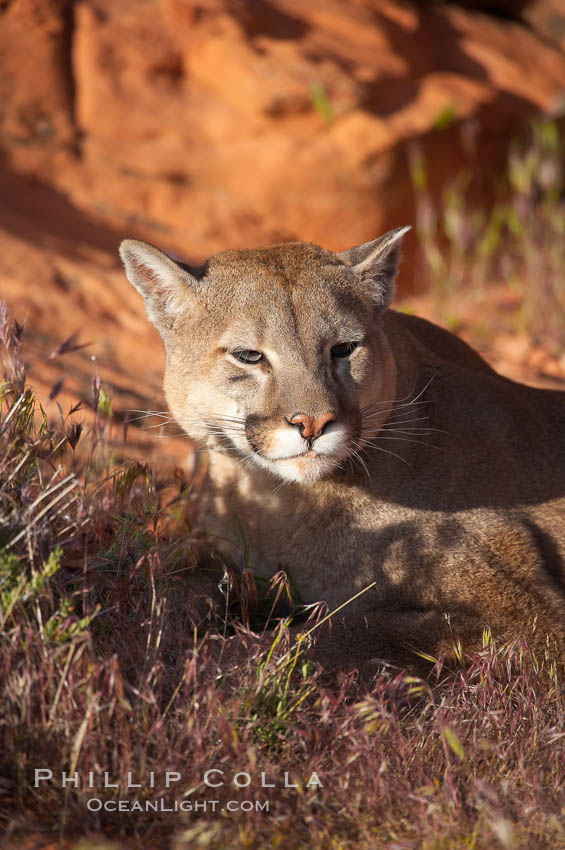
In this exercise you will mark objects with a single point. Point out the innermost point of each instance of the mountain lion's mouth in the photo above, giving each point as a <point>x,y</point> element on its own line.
<point>305,468</point>
<point>286,454</point>
<point>310,453</point>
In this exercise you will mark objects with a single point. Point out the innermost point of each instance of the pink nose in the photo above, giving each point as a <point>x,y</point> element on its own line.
<point>311,427</point>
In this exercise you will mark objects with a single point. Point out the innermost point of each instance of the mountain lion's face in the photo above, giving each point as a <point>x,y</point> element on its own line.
<point>275,354</point>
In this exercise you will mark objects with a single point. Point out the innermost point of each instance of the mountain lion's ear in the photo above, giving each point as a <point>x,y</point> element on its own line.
<point>163,283</point>
<point>376,263</point>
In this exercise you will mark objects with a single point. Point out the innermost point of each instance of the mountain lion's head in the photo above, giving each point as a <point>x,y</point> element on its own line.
<point>275,354</point>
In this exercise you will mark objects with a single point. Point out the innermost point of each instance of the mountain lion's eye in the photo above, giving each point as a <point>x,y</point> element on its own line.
<point>344,349</point>
<point>248,356</point>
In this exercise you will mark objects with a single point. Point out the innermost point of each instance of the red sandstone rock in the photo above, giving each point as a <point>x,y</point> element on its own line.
<point>35,77</point>
<point>217,125</point>
<point>547,17</point>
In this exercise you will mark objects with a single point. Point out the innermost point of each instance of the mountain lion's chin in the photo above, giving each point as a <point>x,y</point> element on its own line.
<point>303,469</point>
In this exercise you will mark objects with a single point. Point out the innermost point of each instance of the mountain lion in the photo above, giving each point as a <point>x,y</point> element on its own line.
<point>369,453</point>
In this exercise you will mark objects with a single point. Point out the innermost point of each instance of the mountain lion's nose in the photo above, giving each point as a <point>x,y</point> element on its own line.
<point>311,427</point>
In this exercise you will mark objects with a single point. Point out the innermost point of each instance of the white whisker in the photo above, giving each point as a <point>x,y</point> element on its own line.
<point>403,440</point>
<point>390,422</point>
<point>386,451</point>
<point>397,407</point>
<point>358,457</point>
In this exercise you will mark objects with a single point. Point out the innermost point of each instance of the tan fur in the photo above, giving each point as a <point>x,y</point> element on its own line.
<point>455,504</point>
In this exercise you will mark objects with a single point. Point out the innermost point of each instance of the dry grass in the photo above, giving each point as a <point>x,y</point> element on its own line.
<point>518,243</point>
